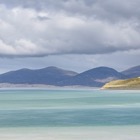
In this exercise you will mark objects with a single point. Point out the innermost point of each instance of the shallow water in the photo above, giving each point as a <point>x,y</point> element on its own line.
<point>41,114</point>
<point>71,133</point>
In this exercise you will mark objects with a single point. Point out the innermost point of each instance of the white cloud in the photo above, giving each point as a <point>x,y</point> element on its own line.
<point>90,29</point>
<point>6,49</point>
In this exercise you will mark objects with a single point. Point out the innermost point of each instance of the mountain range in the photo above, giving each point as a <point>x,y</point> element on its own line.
<point>95,77</point>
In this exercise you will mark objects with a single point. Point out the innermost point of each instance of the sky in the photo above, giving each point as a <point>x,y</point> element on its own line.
<point>71,34</point>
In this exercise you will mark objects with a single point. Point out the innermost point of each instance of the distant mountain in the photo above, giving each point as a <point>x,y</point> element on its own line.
<point>132,83</point>
<point>132,72</point>
<point>49,76</point>
<point>96,77</point>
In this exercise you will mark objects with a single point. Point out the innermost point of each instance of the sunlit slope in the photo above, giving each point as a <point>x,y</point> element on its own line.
<point>133,83</point>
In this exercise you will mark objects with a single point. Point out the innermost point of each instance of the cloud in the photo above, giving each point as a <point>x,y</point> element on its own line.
<point>39,28</point>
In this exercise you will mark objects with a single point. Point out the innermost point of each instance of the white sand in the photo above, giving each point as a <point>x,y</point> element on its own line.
<point>72,133</point>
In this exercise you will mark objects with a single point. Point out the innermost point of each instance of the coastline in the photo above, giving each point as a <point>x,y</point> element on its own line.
<point>43,86</point>
<point>71,133</point>
<point>75,87</point>
<point>120,88</point>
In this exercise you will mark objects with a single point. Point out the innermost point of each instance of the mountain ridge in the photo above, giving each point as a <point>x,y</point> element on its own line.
<point>132,72</point>
<point>48,75</point>
<point>95,77</point>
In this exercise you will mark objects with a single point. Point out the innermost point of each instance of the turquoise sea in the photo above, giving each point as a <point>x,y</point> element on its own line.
<point>69,114</point>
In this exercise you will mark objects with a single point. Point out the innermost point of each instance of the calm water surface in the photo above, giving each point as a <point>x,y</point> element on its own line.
<point>53,110</point>
<point>68,108</point>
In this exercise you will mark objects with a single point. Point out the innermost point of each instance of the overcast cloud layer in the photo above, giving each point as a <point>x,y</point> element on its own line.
<point>48,27</point>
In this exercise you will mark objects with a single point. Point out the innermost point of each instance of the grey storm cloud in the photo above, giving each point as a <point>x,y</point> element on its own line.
<point>48,27</point>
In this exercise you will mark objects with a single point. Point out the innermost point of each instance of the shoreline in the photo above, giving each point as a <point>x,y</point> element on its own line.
<point>120,88</point>
<point>72,133</point>
<point>40,86</point>
<point>51,87</point>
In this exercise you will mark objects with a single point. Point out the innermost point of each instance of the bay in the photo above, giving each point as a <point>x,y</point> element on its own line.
<point>69,114</point>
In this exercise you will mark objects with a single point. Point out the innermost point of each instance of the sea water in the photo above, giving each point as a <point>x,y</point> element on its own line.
<point>69,114</point>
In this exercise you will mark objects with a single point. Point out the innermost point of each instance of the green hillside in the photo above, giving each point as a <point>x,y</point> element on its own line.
<point>133,83</point>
